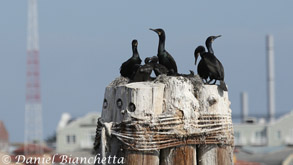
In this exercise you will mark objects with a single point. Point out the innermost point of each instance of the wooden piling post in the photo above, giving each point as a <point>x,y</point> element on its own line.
<point>172,120</point>
<point>136,100</point>
<point>180,155</point>
<point>214,100</point>
<point>143,99</point>
<point>180,100</point>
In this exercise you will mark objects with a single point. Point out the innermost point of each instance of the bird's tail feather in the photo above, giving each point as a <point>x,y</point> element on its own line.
<point>223,85</point>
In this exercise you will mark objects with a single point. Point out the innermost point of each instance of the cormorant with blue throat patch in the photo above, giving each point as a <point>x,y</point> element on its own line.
<point>164,57</point>
<point>129,68</point>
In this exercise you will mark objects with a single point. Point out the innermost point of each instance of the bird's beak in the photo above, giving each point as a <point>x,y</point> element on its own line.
<point>153,30</point>
<point>218,36</point>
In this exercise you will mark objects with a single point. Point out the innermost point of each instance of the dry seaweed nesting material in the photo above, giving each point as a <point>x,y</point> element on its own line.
<point>119,81</point>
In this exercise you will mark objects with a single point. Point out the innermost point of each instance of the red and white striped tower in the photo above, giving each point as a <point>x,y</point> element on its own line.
<point>33,105</point>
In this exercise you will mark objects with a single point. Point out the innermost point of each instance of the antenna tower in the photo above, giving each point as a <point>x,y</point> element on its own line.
<point>33,106</point>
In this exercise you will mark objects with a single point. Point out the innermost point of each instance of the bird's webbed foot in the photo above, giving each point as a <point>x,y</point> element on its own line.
<point>208,82</point>
<point>204,81</point>
<point>214,82</point>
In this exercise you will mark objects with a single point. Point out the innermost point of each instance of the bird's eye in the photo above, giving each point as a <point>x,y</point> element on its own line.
<point>159,33</point>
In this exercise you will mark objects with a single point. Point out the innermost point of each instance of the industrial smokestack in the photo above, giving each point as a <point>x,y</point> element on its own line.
<point>244,106</point>
<point>271,77</point>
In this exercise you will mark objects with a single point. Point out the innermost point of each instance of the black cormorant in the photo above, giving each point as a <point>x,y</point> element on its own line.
<point>164,57</point>
<point>129,67</point>
<point>202,69</point>
<point>214,66</point>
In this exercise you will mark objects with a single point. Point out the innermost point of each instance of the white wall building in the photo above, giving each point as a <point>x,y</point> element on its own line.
<point>76,135</point>
<point>277,133</point>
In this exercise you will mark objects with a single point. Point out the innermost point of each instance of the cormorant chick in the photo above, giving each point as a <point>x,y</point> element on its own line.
<point>158,68</point>
<point>144,72</point>
<point>129,67</point>
<point>164,57</point>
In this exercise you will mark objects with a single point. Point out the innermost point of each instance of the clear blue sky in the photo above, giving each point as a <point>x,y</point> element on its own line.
<point>83,43</point>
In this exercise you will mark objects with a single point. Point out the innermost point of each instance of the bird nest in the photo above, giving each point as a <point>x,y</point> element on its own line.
<point>163,131</point>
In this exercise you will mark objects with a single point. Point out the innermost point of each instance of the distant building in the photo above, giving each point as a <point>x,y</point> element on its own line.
<point>277,133</point>
<point>32,148</point>
<point>4,141</point>
<point>76,135</point>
